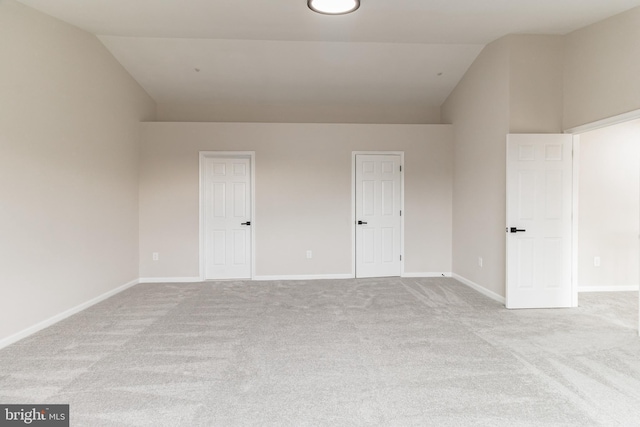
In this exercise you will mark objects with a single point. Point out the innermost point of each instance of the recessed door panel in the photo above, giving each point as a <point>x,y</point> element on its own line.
<point>388,198</point>
<point>553,195</point>
<point>368,167</point>
<point>239,247</point>
<point>368,198</point>
<point>526,152</point>
<point>553,152</point>
<point>219,247</point>
<point>526,194</point>
<point>553,260</point>
<point>240,169</point>
<point>369,246</point>
<point>387,244</point>
<point>526,260</point>
<point>219,198</point>
<point>240,200</point>
<point>387,167</point>
<point>219,169</point>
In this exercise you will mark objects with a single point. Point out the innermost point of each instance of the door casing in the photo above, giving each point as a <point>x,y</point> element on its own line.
<point>576,131</point>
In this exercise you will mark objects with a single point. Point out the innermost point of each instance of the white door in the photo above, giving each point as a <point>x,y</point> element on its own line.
<point>378,221</point>
<point>227,218</point>
<point>539,203</point>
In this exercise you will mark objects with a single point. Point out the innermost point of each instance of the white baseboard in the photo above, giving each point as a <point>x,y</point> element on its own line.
<point>170,279</point>
<point>284,277</point>
<point>627,288</point>
<point>484,291</point>
<point>305,277</point>
<point>431,274</point>
<point>342,276</point>
<point>61,316</point>
<point>256,278</point>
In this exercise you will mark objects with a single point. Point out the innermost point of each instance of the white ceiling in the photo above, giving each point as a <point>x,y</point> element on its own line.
<point>400,52</point>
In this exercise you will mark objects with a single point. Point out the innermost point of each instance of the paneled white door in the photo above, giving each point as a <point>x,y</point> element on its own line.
<point>539,229</point>
<point>227,218</point>
<point>378,220</point>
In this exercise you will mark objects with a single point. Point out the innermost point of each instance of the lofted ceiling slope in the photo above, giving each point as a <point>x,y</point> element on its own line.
<point>404,53</point>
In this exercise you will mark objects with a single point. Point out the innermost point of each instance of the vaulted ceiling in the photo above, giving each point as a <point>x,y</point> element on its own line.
<point>408,53</point>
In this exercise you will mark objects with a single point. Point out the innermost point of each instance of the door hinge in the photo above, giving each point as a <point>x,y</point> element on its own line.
<point>401,213</point>
<point>400,168</point>
<point>400,257</point>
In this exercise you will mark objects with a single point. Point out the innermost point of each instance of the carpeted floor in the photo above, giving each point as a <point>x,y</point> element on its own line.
<point>374,352</point>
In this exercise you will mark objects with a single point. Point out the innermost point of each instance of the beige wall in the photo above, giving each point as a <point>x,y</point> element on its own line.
<point>69,136</point>
<point>528,84</point>
<point>602,65</point>
<point>307,113</point>
<point>514,86</point>
<point>535,83</point>
<point>479,111</point>
<point>608,206</point>
<point>303,193</point>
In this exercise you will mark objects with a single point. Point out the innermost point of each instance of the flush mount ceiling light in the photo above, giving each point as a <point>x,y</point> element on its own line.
<point>333,7</point>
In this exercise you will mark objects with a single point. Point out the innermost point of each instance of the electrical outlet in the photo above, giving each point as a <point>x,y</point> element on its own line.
<point>596,261</point>
<point>309,255</point>
<point>155,256</point>
<point>480,261</point>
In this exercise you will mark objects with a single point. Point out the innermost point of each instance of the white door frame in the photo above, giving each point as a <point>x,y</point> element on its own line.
<point>251,155</point>
<point>576,131</point>
<point>574,220</point>
<point>353,205</point>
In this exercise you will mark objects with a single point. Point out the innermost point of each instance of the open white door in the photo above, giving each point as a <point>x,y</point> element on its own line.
<point>378,216</point>
<point>226,198</point>
<point>539,205</point>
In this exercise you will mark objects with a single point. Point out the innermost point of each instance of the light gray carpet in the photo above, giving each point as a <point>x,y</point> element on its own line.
<point>388,352</point>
